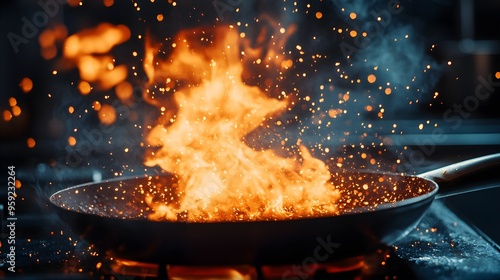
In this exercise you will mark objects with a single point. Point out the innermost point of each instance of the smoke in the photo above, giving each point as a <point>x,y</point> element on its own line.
<point>389,46</point>
<point>401,64</point>
<point>379,71</point>
<point>361,8</point>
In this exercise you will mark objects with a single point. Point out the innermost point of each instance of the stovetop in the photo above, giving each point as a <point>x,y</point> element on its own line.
<point>441,246</point>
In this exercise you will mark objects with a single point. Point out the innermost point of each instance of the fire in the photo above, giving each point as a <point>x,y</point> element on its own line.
<point>89,48</point>
<point>89,51</point>
<point>221,178</point>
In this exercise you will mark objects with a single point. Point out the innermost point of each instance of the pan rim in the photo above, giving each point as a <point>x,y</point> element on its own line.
<point>354,211</point>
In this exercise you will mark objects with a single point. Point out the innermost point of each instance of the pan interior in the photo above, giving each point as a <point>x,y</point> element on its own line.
<point>124,198</point>
<point>371,191</point>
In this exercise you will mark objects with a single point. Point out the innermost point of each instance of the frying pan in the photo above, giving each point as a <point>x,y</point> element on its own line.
<point>375,209</point>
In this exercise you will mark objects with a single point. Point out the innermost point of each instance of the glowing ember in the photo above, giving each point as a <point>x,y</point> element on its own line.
<point>220,177</point>
<point>26,85</point>
<point>30,142</point>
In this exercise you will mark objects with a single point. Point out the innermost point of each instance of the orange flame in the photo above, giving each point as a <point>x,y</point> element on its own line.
<point>89,48</point>
<point>220,177</point>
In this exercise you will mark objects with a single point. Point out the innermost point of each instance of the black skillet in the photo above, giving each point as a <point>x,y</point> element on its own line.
<point>111,216</point>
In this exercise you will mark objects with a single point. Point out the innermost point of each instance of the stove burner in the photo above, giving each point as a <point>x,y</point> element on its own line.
<point>120,268</point>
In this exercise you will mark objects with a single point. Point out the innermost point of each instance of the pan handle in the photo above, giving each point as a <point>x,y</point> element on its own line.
<point>459,169</point>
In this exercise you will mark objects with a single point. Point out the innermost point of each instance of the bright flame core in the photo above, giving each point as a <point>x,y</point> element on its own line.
<point>220,177</point>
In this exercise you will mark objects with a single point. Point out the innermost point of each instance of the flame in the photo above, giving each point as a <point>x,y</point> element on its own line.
<point>220,177</point>
<point>89,48</point>
<point>89,51</point>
